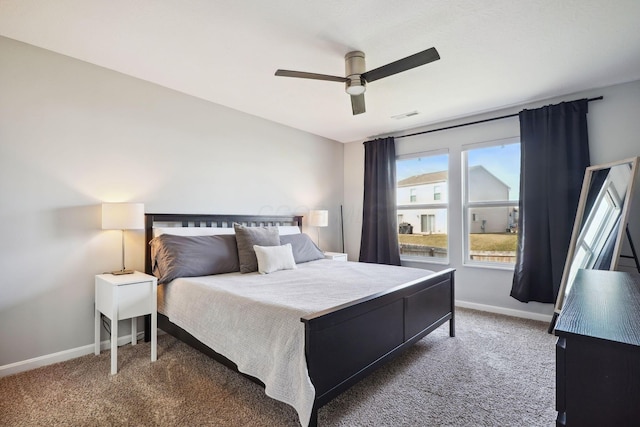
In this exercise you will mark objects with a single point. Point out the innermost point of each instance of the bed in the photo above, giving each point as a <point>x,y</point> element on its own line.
<point>339,344</point>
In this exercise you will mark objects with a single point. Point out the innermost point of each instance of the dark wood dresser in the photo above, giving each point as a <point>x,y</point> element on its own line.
<point>598,351</point>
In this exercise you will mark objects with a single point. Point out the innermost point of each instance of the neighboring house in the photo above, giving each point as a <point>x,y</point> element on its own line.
<point>485,186</point>
<point>431,189</point>
<point>424,189</point>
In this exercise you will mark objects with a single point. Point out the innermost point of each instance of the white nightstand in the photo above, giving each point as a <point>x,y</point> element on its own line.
<point>336,256</point>
<point>125,296</point>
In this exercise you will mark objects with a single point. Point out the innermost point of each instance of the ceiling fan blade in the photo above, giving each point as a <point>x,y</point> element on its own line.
<point>403,64</point>
<point>303,75</point>
<point>357,104</point>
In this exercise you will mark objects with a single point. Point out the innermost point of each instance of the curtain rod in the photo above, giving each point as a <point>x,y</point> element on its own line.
<point>598,98</point>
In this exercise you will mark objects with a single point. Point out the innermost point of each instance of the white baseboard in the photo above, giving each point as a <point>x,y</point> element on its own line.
<point>506,311</point>
<point>61,356</point>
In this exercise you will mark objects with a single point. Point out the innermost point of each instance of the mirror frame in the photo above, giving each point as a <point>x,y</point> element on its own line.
<point>577,225</point>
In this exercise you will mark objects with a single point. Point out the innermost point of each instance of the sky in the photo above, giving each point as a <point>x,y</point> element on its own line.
<point>503,161</point>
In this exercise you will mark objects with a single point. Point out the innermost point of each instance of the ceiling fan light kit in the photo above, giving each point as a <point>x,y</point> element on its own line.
<point>355,67</point>
<point>355,86</point>
<point>357,78</point>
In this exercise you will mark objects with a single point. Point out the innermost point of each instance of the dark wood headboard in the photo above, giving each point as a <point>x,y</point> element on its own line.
<point>204,220</point>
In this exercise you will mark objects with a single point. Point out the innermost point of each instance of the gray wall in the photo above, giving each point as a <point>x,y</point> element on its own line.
<point>614,134</point>
<point>73,135</point>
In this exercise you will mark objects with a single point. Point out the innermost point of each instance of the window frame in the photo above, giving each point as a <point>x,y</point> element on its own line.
<point>435,205</point>
<point>467,205</point>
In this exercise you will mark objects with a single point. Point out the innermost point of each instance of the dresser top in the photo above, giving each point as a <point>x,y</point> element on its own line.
<point>603,304</point>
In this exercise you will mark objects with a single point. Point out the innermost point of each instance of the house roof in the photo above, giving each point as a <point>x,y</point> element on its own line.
<point>441,176</point>
<point>494,54</point>
<point>423,179</point>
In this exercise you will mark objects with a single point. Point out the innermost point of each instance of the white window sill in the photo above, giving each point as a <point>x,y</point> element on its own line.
<point>438,261</point>
<point>491,266</point>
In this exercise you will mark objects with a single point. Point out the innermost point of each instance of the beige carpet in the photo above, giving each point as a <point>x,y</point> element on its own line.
<point>497,371</point>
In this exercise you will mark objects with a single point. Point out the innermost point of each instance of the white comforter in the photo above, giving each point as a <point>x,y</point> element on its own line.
<point>254,319</point>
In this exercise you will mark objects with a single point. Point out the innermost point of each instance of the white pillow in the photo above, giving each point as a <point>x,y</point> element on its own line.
<point>274,258</point>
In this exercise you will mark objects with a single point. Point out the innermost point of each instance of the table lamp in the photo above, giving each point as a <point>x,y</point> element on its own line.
<point>318,218</point>
<point>122,216</point>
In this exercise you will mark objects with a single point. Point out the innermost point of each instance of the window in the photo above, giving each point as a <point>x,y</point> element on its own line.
<point>491,192</point>
<point>423,205</point>
<point>437,192</point>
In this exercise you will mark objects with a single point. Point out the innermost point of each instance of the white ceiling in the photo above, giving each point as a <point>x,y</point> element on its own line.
<point>494,53</point>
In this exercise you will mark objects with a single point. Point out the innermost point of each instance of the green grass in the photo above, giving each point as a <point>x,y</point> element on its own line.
<point>500,242</point>
<point>433,240</point>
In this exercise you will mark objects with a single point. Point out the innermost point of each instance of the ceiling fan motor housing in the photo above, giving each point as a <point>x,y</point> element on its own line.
<point>354,68</point>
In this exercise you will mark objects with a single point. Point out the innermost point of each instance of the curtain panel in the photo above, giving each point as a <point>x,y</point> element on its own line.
<point>554,156</point>
<point>379,242</point>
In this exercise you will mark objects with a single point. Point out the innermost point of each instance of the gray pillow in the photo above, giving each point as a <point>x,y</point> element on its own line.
<point>246,237</point>
<point>188,256</point>
<point>304,249</point>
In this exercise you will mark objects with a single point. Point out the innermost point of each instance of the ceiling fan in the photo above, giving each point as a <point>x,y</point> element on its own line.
<point>357,78</point>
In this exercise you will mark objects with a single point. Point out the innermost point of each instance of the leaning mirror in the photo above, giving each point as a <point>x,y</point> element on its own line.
<point>601,220</point>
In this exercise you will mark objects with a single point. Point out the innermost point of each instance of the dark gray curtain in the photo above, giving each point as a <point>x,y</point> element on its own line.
<point>379,243</point>
<point>554,156</point>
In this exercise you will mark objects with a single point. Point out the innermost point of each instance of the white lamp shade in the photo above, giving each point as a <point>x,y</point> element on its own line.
<point>122,216</point>
<point>318,218</point>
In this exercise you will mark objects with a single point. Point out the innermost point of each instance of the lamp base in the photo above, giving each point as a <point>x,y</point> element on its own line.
<point>120,272</point>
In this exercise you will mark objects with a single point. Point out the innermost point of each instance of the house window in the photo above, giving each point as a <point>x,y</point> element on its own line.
<point>423,231</point>
<point>491,192</point>
<point>437,192</point>
<point>428,223</point>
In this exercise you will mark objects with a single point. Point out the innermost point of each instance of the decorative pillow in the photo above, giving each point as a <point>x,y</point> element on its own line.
<point>274,258</point>
<point>304,249</point>
<point>188,256</point>
<point>247,237</point>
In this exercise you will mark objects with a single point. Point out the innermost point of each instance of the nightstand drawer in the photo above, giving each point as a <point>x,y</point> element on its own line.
<point>135,300</point>
<point>129,299</point>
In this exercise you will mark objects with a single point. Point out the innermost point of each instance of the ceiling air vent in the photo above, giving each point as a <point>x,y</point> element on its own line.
<point>405,115</point>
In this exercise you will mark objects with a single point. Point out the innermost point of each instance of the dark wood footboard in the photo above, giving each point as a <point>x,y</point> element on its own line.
<point>346,343</point>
